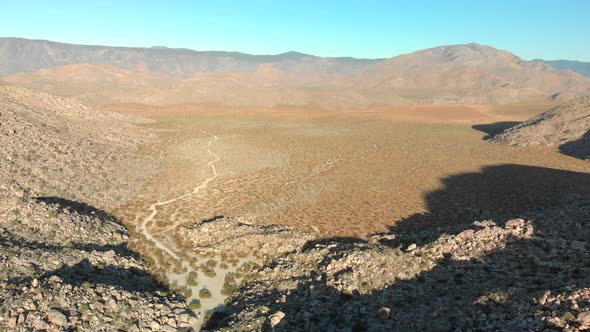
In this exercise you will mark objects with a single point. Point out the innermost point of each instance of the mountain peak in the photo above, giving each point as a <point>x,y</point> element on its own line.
<point>468,52</point>
<point>294,54</point>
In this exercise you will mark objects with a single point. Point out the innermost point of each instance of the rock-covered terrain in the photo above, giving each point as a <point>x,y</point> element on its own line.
<point>55,146</point>
<point>528,274</point>
<point>64,262</point>
<point>237,236</point>
<point>566,126</point>
<point>66,266</point>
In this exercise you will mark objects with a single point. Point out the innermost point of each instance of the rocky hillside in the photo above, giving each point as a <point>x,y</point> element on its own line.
<point>530,273</point>
<point>64,263</point>
<point>55,146</point>
<point>66,266</point>
<point>566,126</point>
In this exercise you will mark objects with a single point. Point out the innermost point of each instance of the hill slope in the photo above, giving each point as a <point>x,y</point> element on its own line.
<point>566,126</point>
<point>469,73</point>
<point>46,141</point>
<point>64,263</point>
<point>66,266</point>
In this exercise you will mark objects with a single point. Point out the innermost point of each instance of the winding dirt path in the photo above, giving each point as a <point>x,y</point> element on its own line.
<point>154,207</point>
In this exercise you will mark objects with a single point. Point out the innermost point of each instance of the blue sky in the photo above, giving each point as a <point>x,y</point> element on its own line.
<point>546,29</point>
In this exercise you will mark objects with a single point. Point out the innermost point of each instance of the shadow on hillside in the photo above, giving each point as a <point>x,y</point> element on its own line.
<point>89,275</point>
<point>492,129</point>
<point>492,292</point>
<point>579,148</point>
<point>81,208</point>
<point>84,272</point>
<point>106,270</point>
<point>9,239</point>
<point>210,220</point>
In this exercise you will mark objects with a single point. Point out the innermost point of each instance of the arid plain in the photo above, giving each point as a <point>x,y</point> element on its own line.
<point>335,173</point>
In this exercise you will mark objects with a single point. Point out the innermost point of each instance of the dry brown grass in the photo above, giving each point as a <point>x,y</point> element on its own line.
<point>342,173</point>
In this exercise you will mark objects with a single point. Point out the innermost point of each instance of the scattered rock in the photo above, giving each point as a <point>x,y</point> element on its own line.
<point>514,223</point>
<point>276,318</point>
<point>57,318</point>
<point>155,325</point>
<point>384,313</point>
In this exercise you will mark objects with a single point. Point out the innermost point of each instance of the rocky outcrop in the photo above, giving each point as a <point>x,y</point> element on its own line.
<point>527,274</point>
<point>66,266</point>
<point>566,126</point>
<point>237,236</point>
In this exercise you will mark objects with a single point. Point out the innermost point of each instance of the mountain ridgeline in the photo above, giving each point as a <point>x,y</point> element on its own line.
<point>24,55</point>
<point>577,66</point>
<point>469,73</point>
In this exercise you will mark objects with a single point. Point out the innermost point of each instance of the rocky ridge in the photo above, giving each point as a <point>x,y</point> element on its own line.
<point>66,266</point>
<point>518,274</point>
<point>64,262</point>
<point>566,126</point>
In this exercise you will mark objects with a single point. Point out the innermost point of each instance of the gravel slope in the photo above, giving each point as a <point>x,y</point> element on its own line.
<point>55,146</point>
<point>565,126</point>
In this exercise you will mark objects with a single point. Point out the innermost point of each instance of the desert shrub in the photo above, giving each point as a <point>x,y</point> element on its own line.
<point>204,293</point>
<point>195,304</point>
<point>252,276</point>
<point>191,280</point>
<point>209,272</point>
<point>211,263</point>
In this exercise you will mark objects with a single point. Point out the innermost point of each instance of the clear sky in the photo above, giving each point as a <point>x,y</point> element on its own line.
<point>558,29</point>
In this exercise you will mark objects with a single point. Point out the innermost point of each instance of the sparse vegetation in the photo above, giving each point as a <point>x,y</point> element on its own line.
<point>195,304</point>
<point>205,293</point>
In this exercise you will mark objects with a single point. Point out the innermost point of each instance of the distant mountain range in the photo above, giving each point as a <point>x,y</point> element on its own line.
<point>25,55</point>
<point>469,73</point>
<point>577,66</point>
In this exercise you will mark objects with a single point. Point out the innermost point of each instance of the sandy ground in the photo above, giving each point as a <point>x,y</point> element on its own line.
<point>340,173</point>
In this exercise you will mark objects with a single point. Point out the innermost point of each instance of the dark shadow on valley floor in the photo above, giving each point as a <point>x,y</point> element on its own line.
<point>492,129</point>
<point>579,148</point>
<point>499,193</point>
<point>493,292</point>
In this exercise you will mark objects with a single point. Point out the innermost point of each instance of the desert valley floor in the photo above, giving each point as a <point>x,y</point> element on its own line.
<point>331,174</point>
<point>337,173</point>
